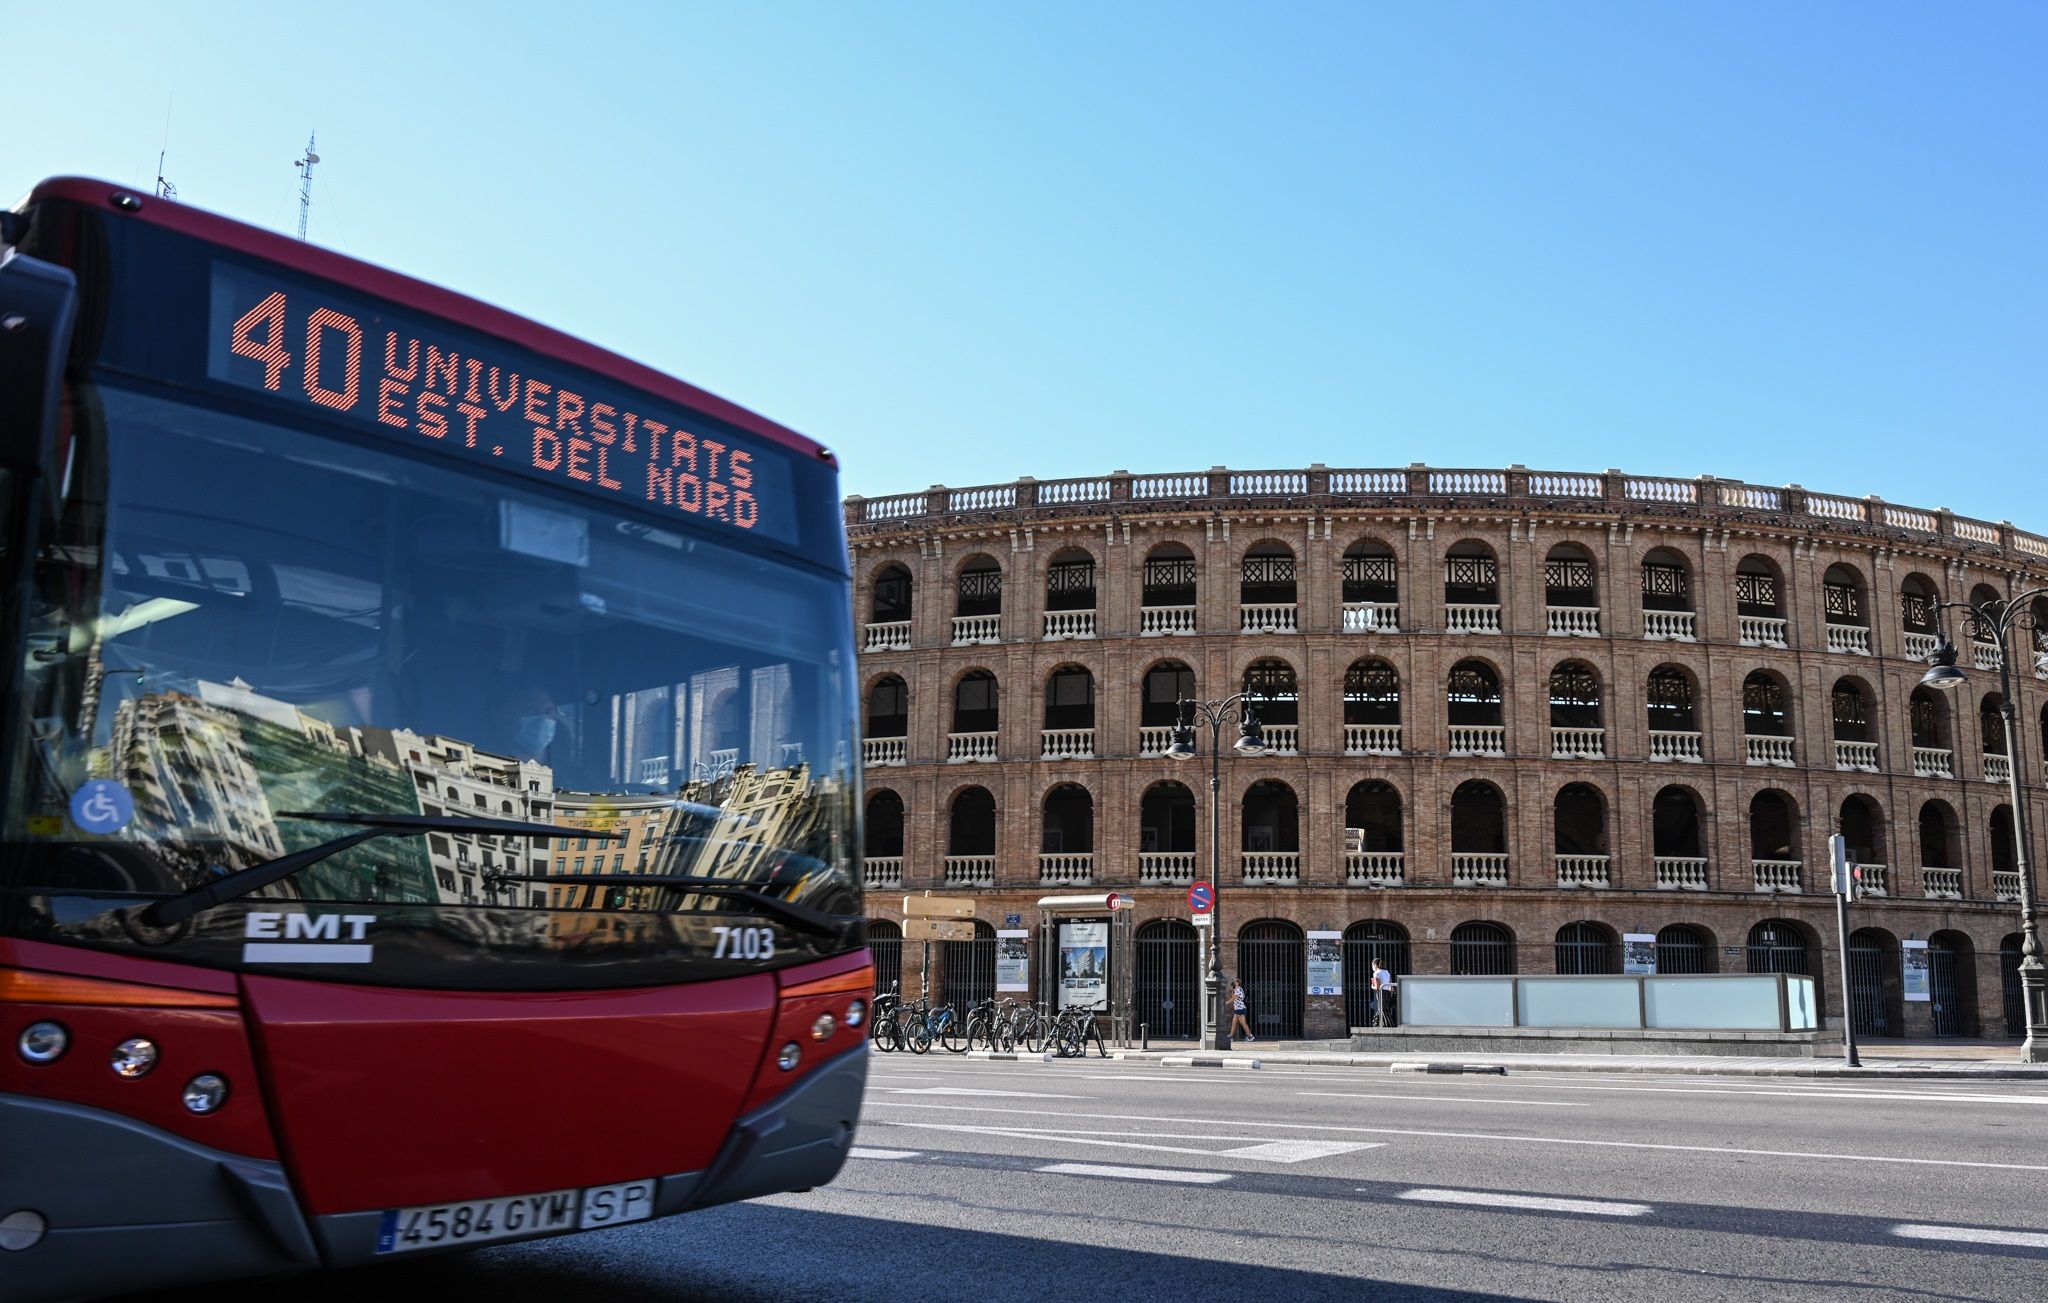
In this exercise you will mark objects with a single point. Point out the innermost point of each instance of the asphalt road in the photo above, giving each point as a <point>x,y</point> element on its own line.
<point>1114,1180</point>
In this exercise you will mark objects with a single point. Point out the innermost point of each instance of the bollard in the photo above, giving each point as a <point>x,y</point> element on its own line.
<point>1144,1036</point>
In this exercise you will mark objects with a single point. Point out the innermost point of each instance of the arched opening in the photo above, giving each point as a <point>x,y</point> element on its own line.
<point>1759,602</point>
<point>1876,994</point>
<point>1991,727</point>
<point>1067,842</point>
<point>1933,756</point>
<point>1069,712</point>
<point>1167,598</point>
<point>1575,728</point>
<point>1266,595</point>
<point>969,968</point>
<point>1848,617</point>
<point>1169,984</point>
<point>1766,719</point>
<point>978,602</point>
<point>1166,834</point>
<point>1862,829</point>
<point>1571,602</point>
<point>1684,950</point>
<point>1473,704</point>
<point>1952,983</point>
<point>1271,692</point>
<point>1918,598</point>
<point>1272,963</point>
<point>1372,942</point>
<point>882,834</point>
<point>971,839</point>
<point>2004,866</point>
<point>1070,581</point>
<point>888,711</point>
<point>1673,714</point>
<point>1372,811</point>
<point>1983,638</point>
<point>1372,588</point>
<point>1482,950</point>
<point>891,604</point>
<point>975,720</point>
<point>1940,877</point>
<point>1579,826</point>
<point>1676,843</point>
<point>1774,859</point>
<point>885,949</point>
<point>1479,837</point>
<point>1271,833</point>
<point>1667,596</point>
<point>1165,686</point>
<point>1855,734</point>
<point>1471,589</point>
<point>1778,945</point>
<point>1587,948</point>
<point>1372,709</point>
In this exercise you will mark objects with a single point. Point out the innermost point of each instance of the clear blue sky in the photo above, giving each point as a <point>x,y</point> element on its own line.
<point>959,243</point>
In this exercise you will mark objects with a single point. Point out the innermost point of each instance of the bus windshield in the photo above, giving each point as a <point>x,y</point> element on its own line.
<point>237,623</point>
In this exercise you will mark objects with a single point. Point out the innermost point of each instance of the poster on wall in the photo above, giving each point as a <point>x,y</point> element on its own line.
<point>1084,965</point>
<point>1638,953</point>
<point>1013,959</point>
<point>1326,963</point>
<point>1913,969</point>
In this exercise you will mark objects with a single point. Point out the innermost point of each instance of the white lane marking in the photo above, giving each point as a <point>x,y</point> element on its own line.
<point>967,1090</point>
<point>1534,1203</point>
<point>1260,1149</point>
<point>1972,1235</point>
<point>1800,1092</point>
<point>860,1152</point>
<point>1483,1135</point>
<point>1136,1173</point>
<point>1450,1099</point>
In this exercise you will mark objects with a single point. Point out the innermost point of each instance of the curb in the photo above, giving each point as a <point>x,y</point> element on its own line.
<point>1621,1064</point>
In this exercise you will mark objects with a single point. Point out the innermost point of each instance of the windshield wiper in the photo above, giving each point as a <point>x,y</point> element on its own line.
<point>800,916</point>
<point>166,913</point>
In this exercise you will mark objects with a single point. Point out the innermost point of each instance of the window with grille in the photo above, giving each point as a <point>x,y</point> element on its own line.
<point>1165,687</point>
<point>1070,699</point>
<point>1665,587</point>
<point>1844,605</point>
<point>1070,586</point>
<point>1574,697</point>
<point>974,704</point>
<point>1926,716</point>
<point>1372,694</point>
<point>1569,576</point>
<point>1992,724</point>
<point>1670,702</point>
<point>1763,707</point>
<point>1470,574</point>
<point>888,709</point>
<point>981,592</point>
<point>1851,715</point>
<point>1170,581</point>
<point>1917,612</point>
<point>1371,578</point>
<point>892,596</point>
<point>1271,687</point>
<point>1268,580</point>
<point>1756,594</point>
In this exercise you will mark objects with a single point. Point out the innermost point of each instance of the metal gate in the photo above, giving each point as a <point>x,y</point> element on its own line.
<point>1944,981</point>
<point>1683,950</point>
<point>970,969</point>
<point>1775,946</point>
<point>1585,948</point>
<point>1486,949</point>
<point>1272,962</point>
<point>885,947</point>
<point>1866,985</point>
<point>1365,943</point>
<point>2009,982</point>
<point>1169,980</point>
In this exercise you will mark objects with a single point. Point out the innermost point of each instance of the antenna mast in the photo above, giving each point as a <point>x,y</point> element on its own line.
<point>305,166</point>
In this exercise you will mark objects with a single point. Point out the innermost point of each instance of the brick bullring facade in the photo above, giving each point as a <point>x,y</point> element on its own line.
<point>1512,717</point>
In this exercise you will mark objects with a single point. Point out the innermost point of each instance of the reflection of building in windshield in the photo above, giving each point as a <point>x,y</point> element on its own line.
<point>210,773</point>
<point>763,813</point>
<point>640,820</point>
<point>451,777</point>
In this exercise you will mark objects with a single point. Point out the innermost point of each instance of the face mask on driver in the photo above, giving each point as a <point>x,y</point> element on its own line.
<point>535,732</point>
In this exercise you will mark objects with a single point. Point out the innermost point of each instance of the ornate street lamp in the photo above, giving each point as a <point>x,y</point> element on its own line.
<point>1251,741</point>
<point>2001,617</point>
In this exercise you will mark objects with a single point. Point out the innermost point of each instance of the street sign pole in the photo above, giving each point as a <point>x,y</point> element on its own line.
<point>1845,883</point>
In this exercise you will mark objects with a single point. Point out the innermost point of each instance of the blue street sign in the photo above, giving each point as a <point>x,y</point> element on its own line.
<point>1201,898</point>
<point>101,807</point>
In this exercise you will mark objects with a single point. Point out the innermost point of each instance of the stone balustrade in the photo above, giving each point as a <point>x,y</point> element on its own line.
<point>1677,626</point>
<point>1470,869</point>
<point>885,750</point>
<point>1375,868</point>
<point>1572,621</point>
<point>1272,868</point>
<point>1582,871</point>
<point>1372,739</point>
<point>1479,740</point>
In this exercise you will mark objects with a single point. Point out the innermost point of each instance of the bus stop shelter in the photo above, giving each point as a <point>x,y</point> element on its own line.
<point>1087,956</point>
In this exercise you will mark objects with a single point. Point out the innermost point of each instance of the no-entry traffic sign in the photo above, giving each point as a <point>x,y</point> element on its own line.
<point>1201,898</point>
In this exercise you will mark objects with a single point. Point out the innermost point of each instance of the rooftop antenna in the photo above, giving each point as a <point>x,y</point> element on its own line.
<point>164,189</point>
<point>305,166</point>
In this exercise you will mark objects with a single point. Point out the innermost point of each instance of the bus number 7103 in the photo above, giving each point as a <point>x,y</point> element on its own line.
<point>744,943</point>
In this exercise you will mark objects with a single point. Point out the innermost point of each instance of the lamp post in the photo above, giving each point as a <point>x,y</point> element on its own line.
<point>2001,617</point>
<point>1251,741</point>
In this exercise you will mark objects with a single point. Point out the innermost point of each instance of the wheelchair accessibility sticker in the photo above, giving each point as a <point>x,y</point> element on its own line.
<point>102,807</point>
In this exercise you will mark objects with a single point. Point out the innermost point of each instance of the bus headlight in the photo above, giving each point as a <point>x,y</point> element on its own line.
<point>856,1013</point>
<point>787,1060</point>
<point>43,1042</point>
<point>822,1029</point>
<point>206,1092</point>
<point>133,1057</point>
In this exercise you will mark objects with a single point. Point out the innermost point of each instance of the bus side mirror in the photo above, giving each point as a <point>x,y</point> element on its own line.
<point>38,304</point>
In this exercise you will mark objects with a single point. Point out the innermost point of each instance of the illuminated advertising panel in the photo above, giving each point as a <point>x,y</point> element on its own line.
<point>414,379</point>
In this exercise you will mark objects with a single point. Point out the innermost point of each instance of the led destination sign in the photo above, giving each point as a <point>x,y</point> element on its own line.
<point>466,395</point>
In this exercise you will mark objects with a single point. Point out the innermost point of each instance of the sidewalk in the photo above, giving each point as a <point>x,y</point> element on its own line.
<point>1937,1060</point>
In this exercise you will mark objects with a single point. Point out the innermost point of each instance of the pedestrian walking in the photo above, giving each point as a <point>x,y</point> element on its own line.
<point>1237,1018</point>
<point>1384,1013</point>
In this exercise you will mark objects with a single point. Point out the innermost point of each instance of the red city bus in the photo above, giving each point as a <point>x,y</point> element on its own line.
<point>430,769</point>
